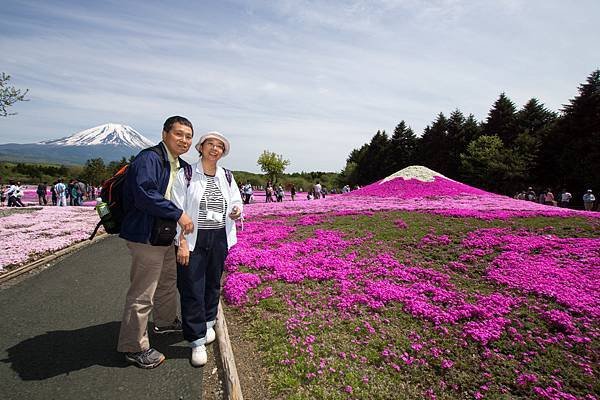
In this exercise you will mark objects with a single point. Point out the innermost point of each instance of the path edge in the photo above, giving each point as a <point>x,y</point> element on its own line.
<point>232,381</point>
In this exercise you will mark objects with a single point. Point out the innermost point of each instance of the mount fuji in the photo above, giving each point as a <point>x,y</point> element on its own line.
<point>111,134</point>
<point>110,141</point>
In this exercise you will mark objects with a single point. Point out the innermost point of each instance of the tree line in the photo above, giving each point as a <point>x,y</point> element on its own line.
<point>512,149</point>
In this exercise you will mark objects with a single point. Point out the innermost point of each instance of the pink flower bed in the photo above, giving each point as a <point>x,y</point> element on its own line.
<point>26,235</point>
<point>562,274</point>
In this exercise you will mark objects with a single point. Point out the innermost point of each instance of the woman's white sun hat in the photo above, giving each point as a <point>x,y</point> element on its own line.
<point>214,135</point>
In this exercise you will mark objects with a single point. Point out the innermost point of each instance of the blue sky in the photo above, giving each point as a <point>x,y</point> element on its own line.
<point>310,80</point>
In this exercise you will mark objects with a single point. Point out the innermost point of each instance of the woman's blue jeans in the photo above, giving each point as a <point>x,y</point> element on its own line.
<point>199,284</point>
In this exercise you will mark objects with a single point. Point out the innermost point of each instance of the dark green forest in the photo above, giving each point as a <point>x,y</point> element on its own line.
<point>509,151</point>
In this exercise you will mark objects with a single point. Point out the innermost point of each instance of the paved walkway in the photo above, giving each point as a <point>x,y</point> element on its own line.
<point>59,332</point>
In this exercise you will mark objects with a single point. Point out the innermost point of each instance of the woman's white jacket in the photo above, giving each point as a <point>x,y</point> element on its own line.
<point>187,198</point>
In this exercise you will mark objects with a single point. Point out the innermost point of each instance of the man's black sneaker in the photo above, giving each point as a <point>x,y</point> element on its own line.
<point>146,359</point>
<point>175,327</point>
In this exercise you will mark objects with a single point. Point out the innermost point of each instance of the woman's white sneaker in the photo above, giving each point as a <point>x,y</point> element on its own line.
<point>199,356</point>
<point>210,335</point>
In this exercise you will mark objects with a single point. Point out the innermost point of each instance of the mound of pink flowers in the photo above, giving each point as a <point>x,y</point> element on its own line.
<point>439,196</point>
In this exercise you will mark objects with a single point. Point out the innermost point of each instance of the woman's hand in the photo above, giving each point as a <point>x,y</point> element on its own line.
<point>187,226</point>
<point>183,253</point>
<point>235,213</point>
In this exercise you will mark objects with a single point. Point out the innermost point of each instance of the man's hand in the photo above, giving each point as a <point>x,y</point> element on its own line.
<point>183,253</point>
<point>235,213</point>
<point>186,223</point>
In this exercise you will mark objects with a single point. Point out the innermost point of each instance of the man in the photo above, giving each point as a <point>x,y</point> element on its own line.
<point>11,194</point>
<point>565,198</point>
<point>317,190</point>
<point>531,196</point>
<point>41,193</point>
<point>588,200</point>
<point>247,188</point>
<point>69,192</point>
<point>80,189</point>
<point>61,195</point>
<point>147,198</point>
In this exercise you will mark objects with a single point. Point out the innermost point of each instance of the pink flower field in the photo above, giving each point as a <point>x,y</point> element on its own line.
<point>413,289</point>
<point>33,232</point>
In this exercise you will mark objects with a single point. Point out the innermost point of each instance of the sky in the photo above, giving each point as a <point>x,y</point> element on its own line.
<point>310,80</point>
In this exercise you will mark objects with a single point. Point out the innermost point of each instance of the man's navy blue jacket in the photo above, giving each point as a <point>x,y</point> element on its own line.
<point>143,194</point>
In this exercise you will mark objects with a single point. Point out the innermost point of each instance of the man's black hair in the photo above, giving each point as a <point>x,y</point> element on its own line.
<point>174,119</point>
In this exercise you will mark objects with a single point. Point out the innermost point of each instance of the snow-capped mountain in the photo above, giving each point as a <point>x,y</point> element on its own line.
<point>111,142</point>
<point>107,134</point>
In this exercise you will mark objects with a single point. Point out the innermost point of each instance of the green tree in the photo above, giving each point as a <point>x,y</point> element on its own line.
<point>272,164</point>
<point>433,146</point>
<point>534,117</point>
<point>401,149</point>
<point>501,120</point>
<point>573,145</point>
<point>457,141</point>
<point>472,129</point>
<point>487,163</point>
<point>371,166</point>
<point>114,166</point>
<point>9,95</point>
<point>349,174</point>
<point>534,121</point>
<point>94,171</point>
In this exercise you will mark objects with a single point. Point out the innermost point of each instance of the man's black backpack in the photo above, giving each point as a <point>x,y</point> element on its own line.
<point>111,194</point>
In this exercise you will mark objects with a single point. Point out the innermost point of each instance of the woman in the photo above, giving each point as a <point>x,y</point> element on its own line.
<point>210,195</point>
<point>269,193</point>
<point>14,194</point>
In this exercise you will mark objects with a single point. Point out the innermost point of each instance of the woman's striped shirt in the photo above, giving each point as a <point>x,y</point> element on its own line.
<point>212,200</point>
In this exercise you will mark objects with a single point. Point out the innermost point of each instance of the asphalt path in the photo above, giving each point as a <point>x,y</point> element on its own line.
<point>59,332</point>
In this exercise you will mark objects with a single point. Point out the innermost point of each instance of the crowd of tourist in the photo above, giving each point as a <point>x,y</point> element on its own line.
<point>59,193</point>
<point>277,193</point>
<point>563,199</point>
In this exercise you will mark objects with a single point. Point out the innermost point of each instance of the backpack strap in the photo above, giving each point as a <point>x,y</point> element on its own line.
<point>98,225</point>
<point>187,171</point>
<point>158,150</point>
<point>228,175</point>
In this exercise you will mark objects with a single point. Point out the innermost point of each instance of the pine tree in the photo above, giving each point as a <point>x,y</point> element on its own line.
<point>372,164</point>
<point>457,142</point>
<point>534,121</point>
<point>401,148</point>
<point>432,149</point>
<point>534,117</point>
<point>501,120</point>
<point>349,174</point>
<point>472,129</point>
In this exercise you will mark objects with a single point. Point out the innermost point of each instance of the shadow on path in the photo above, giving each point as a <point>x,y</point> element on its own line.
<point>61,352</point>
